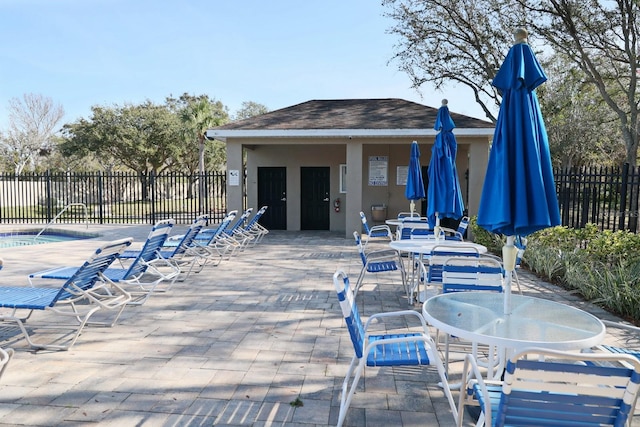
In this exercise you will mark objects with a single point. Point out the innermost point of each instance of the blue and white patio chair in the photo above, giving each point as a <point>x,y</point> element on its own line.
<point>463,225</point>
<point>406,347</point>
<point>78,298</point>
<point>442,252</point>
<point>403,215</point>
<point>469,274</point>
<point>632,335</point>
<point>142,275</point>
<point>380,261</point>
<point>554,389</point>
<point>410,225</point>
<point>381,231</point>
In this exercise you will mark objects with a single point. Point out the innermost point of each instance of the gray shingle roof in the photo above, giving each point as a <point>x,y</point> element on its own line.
<point>391,113</point>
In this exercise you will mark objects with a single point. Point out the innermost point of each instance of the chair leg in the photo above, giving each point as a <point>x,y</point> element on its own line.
<point>348,391</point>
<point>515,275</point>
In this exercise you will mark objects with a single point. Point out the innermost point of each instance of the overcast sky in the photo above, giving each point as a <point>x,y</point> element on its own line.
<point>274,52</point>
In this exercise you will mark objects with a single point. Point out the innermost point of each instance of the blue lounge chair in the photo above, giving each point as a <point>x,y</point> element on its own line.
<point>185,254</point>
<point>254,227</point>
<point>79,297</point>
<point>141,277</point>
<point>210,243</point>
<point>233,236</point>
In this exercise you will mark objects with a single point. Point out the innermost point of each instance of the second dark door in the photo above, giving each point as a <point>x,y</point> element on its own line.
<point>315,202</point>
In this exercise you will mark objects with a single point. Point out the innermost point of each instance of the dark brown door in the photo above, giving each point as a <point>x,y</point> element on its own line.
<point>315,199</point>
<point>272,192</point>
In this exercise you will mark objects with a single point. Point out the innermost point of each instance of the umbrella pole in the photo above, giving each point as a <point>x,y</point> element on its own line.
<point>412,206</point>
<point>436,228</point>
<point>509,253</point>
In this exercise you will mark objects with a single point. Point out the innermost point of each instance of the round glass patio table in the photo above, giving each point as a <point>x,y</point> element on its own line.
<point>534,322</point>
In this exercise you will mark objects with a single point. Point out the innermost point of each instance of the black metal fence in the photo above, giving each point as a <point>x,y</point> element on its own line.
<point>125,198</point>
<point>605,196</point>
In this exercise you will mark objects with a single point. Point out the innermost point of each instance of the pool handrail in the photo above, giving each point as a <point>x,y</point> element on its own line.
<point>86,217</point>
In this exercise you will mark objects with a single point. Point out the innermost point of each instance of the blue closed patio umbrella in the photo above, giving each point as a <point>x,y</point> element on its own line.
<point>414,189</point>
<point>519,196</point>
<point>443,190</point>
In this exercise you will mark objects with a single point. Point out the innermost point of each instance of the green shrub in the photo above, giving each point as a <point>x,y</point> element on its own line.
<point>602,266</point>
<point>492,241</point>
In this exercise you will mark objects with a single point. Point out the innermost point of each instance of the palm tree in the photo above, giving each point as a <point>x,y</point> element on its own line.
<point>198,116</point>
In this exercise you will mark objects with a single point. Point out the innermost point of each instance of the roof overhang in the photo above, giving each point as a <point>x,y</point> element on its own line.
<point>222,134</point>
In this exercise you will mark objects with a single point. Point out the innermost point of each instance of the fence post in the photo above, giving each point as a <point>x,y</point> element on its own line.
<point>100,199</point>
<point>623,196</point>
<point>152,189</point>
<point>49,199</point>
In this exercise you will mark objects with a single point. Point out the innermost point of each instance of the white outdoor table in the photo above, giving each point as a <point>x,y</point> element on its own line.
<point>425,246</point>
<point>534,322</point>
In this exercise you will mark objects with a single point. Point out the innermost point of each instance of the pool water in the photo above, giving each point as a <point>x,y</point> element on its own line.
<point>15,239</point>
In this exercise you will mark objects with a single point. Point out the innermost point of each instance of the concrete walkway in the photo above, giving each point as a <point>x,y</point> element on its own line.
<point>235,345</point>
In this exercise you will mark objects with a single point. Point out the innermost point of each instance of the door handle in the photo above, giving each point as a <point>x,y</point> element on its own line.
<point>326,199</point>
<point>284,199</point>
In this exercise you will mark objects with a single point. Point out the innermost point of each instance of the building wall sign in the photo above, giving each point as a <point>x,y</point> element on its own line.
<point>378,171</point>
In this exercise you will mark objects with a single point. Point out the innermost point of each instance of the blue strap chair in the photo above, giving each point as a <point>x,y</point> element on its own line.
<point>253,229</point>
<point>376,232</point>
<point>381,261</point>
<point>467,274</point>
<point>182,253</point>
<point>554,389</point>
<point>463,225</point>
<point>140,277</point>
<point>78,298</point>
<point>408,347</point>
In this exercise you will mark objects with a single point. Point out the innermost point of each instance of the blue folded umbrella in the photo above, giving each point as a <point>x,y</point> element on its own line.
<point>444,195</point>
<point>414,189</point>
<point>519,194</point>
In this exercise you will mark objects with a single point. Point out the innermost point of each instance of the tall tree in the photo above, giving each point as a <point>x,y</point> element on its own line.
<point>250,109</point>
<point>197,114</point>
<point>32,127</point>
<point>582,129</point>
<point>143,137</point>
<point>454,41</point>
<point>602,38</point>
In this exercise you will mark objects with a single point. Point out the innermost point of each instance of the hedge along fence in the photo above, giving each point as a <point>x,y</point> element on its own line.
<point>602,266</point>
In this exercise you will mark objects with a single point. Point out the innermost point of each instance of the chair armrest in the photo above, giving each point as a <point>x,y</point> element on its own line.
<point>401,313</point>
<point>380,228</point>
<point>383,253</point>
<point>452,233</point>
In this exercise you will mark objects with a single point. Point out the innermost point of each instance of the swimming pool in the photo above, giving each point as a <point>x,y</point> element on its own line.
<point>27,238</point>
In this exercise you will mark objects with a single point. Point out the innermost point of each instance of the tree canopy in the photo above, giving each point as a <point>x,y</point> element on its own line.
<point>465,41</point>
<point>32,128</point>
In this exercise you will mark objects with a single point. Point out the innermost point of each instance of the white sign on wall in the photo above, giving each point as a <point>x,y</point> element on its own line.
<point>378,166</point>
<point>234,177</point>
<point>401,175</point>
